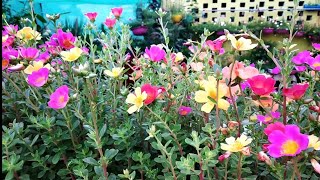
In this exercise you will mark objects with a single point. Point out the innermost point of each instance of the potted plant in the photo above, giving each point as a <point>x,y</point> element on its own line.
<point>177,12</point>
<point>138,28</point>
<point>282,27</point>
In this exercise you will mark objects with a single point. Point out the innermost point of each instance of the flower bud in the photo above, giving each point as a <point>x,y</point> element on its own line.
<point>224,156</point>
<point>315,108</point>
<point>232,124</point>
<point>246,151</point>
<point>264,157</point>
<point>265,147</point>
<point>224,131</point>
<point>307,101</point>
<point>311,117</point>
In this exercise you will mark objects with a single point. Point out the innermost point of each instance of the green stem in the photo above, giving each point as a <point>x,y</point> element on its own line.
<point>239,166</point>
<point>226,169</point>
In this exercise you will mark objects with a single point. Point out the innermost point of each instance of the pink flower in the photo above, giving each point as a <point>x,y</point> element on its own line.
<point>91,16</point>
<point>152,93</point>
<point>314,63</point>
<point>155,53</point>
<point>289,142</point>
<point>44,57</point>
<point>301,57</point>
<point>275,70</point>
<point>15,68</point>
<point>215,45</point>
<point>10,53</point>
<point>272,127</point>
<point>11,29</point>
<point>184,110</point>
<point>38,78</point>
<point>316,46</point>
<point>110,22</point>
<point>29,53</point>
<point>261,85</point>
<point>65,39</point>
<point>7,40</point>
<point>264,157</point>
<point>59,98</point>
<point>117,12</point>
<point>300,68</point>
<point>235,72</point>
<point>248,72</point>
<point>268,119</point>
<point>296,91</point>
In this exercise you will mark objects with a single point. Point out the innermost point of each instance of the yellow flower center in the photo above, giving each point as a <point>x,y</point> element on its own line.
<point>316,64</point>
<point>40,79</point>
<point>139,101</point>
<point>115,73</point>
<point>237,146</point>
<point>239,44</point>
<point>290,147</point>
<point>268,119</point>
<point>213,94</point>
<point>61,99</point>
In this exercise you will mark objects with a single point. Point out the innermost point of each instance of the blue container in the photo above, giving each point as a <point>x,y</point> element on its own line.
<point>312,7</point>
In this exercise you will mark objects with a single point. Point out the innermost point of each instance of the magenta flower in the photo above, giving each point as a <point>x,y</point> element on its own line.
<point>59,98</point>
<point>110,22</point>
<point>300,68</point>
<point>316,46</point>
<point>10,53</point>
<point>184,110</point>
<point>44,57</point>
<point>7,40</point>
<point>155,53</point>
<point>262,85</point>
<point>117,12</point>
<point>11,29</point>
<point>314,63</point>
<point>38,78</point>
<point>289,142</point>
<point>301,57</point>
<point>275,70</point>
<point>296,91</point>
<point>268,119</point>
<point>29,53</point>
<point>91,16</point>
<point>244,85</point>
<point>215,45</point>
<point>65,39</point>
<point>272,127</point>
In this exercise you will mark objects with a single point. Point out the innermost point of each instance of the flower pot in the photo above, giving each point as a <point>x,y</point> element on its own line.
<point>282,31</point>
<point>315,7</point>
<point>176,18</point>
<point>300,34</point>
<point>268,30</point>
<point>220,33</point>
<point>140,30</point>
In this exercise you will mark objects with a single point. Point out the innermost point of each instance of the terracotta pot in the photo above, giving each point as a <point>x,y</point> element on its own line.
<point>140,30</point>
<point>282,31</point>
<point>176,18</point>
<point>268,30</point>
<point>300,34</point>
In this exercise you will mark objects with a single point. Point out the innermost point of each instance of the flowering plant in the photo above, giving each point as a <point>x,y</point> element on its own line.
<point>73,109</point>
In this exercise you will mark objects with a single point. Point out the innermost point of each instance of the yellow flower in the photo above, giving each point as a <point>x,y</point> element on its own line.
<point>27,33</point>
<point>241,44</point>
<point>136,99</point>
<point>210,93</point>
<point>314,142</point>
<point>179,57</point>
<point>115,72</point>
<point>236,145</point>
<point>35,67</point>
<point>71,55</point>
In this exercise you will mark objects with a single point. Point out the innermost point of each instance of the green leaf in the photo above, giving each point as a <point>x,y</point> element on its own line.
<point>103,130</point>
<point>9,175</point>
<point>110,153</point>
<point>41,174</point>
<point>190,142</point>
<point>91,161</point>
<point>56,158</point>
<point>40,18</point>
<point>34,140</point>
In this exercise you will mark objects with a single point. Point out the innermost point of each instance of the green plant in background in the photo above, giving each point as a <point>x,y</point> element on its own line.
<point>76,27</point>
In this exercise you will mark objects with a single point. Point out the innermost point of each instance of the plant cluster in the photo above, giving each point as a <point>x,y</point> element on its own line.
<point>73,111</point>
